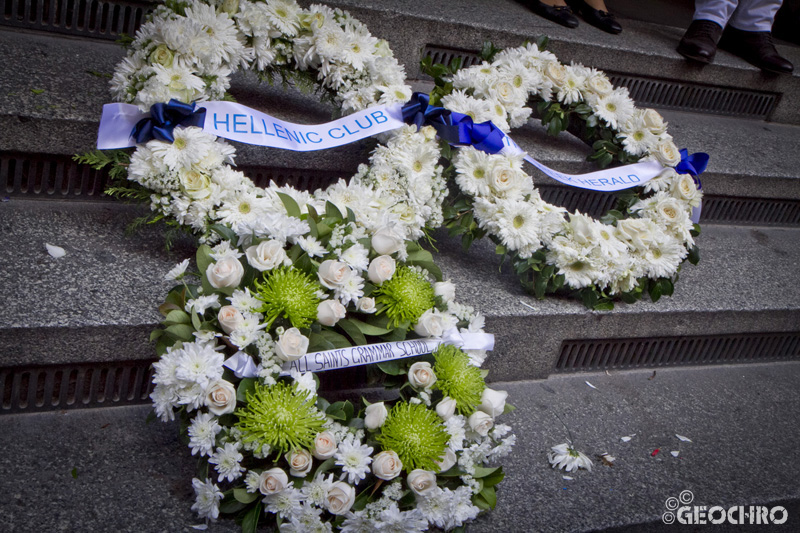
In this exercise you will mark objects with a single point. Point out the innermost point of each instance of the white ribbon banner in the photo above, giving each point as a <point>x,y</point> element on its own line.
<point>240,123</point>
<point>385,351</point>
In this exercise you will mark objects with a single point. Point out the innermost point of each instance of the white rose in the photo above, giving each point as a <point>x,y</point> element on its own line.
<point>381,269</point>
<point>421,482</point>
<point>637,231</point>
<point>421,375</point>
<point>445,289</point>
<point>227,272</point>
<point>583,229</point>
<point>430,324</point>
<point>505,93</point>
<point>163,56</point>
<point>231,7</point>
<point>299,462</point>
<point>266,255</point>
<point>333,274</point>
<point>667,153</point>
<point>195,184</point>
<point>600,85</point>
<point>446,408</point>
<point>685,188</point>
<point>221,397</point>
<point>366,305</point>
<point>387,241</point>
<point>387,465</point>
<point>375,415</point>
<point>330,312</point>
<point>229,318</point>
<point>654,121</point>
<point>448,461</point>
<point>291,345</point>
<point>556,72</point>
<point>670,211</point>
<point>324,445</point>
<point>272,481</point>
<point>493,402</point>
<point>340,498</point>
<point>480,423</point>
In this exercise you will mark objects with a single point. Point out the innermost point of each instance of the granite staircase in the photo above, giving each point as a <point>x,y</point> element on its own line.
<point>719,361</point>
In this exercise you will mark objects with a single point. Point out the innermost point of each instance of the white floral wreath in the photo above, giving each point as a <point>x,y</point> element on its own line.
<point>282,273</point>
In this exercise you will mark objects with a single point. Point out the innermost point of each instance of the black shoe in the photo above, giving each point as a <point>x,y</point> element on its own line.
<point>699,43</point>
<point>755,47</point>
<point>558,14</point>
<point>599,19</point>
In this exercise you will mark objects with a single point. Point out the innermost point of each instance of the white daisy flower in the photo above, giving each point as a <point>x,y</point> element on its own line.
<point>200,304</point>
<point>228,461</point>
<point>203,433</point>
<point>354,458</point>
<point>207,498</point>
<point>566,457</point>
<point>615,108</point>
<point>177,271</point>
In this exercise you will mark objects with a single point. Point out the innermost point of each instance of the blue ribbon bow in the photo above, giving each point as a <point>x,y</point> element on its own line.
<point>453,127</point>
<point>694,164</point>
<point>164,118</point>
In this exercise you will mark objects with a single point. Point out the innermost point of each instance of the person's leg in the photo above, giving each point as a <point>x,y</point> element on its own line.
<point>749,36</point>
<point>755,15</point>
<point>699,43</point>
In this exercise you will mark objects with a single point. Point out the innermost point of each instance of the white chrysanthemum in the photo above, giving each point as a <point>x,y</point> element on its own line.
<point>393,520</point>
<point>200,304</point>
<point>356,256</point>
<point>637,137</point>
<point>316,491</point>
<point>228,461</point>
<point>461,102</point>
<point>571,91</point>
<point>517,224</point>
<point>203,433</point>
<point>177,272</point>
<point>566,457</point>
<point>245,302</point>
<point>447,509</point>
<point>285,16</point>
<point>199,364</point>
<point>164,400</point>
<point>176,82</point>
<point>207,498</point>
<point>285,503</point>
<point>664,258</point>
<point>190,146</point>
<point>359,522</point>
<point>615,108</point>
<point>354,458</point>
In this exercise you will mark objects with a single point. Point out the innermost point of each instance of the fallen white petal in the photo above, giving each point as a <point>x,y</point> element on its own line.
<point>567,478</point>
<point>592,386</point>
<point>527,305</point>
<point>684,439</point>
<point>55,251</point>
<point>627,438</point>
<point>201,527</point>
<point>675,453</point>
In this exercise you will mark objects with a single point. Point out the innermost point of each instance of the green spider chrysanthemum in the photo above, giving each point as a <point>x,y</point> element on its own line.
<point>416,434</point>
<point>458,378</point>
<point>406,296</point>
<point>291,293</point>
<point>280,416</point>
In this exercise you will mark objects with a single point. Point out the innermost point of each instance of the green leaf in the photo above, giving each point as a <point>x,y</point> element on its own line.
<point>155,334</point>
<point>489,494</point>
<point>331,211</point>
<point>508,408</point>
<point>291,206</point>
<point>318,343</point>
<point>694,255</point>
<point>352,331</point>
<point>250,521</point>
<point>181,332</point>
<point>243,496</point>
<point>74,473</point>
<point>204,260</point>
<point>224,231</point>
<point>326,465</point>
<point>481,471</point>
<point>196,321</point>
<point>655,291</point>
<point>367,329</point>
<point>335,339</point>
<point>391,367</point>
<point>245,386</point>
<point>177,316</point>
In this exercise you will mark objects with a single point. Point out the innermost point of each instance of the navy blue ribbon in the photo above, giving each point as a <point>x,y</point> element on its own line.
<point>694,164</point>
<point>164,118</point>
<point>455,128</point>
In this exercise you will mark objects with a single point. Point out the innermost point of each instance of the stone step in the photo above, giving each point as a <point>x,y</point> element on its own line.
<point>643,57</point>
<point>43,129</point>
<point>112,472</point>
<point>98,303</point>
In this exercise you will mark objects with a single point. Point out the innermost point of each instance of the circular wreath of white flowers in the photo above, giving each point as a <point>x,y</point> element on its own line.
<point>282,272</point>
<point>638,247</point>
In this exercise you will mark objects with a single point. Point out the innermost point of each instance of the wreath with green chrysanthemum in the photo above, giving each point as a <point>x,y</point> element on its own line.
<point>282,273</point>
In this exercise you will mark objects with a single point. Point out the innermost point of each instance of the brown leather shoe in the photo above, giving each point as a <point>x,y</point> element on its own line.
<point>755,47</point>
<point>699,43</point>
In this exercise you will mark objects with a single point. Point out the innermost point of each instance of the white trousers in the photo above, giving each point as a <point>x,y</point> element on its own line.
<point>747,15</point>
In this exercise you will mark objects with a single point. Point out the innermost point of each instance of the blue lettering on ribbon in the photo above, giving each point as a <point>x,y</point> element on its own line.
<point>266,130</point>
<point>253,128</point>
<point>330,132</point>
<point>310,133</point>
<point>369,123</point>
<point>217,122</point>
<point>279,130</point>
<point>633,177</point>
<point>350,132</point>
<point>379,114</point>
<point>237,123</point>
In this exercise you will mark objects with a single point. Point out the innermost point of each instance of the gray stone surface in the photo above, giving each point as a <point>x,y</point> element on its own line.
<point>99,301</point>
<point>134,477</point>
